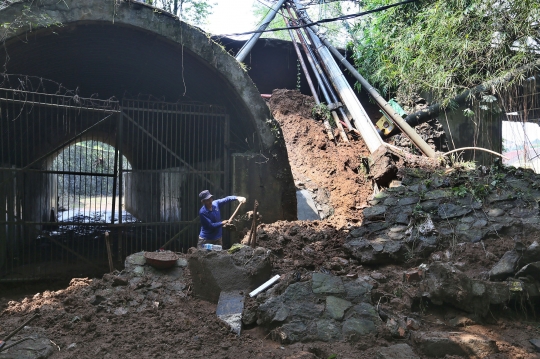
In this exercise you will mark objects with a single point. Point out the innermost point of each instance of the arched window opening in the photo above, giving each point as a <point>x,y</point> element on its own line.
<point>87,185</point>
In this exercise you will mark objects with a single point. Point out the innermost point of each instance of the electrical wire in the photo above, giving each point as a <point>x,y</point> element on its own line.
<point>339,18</point>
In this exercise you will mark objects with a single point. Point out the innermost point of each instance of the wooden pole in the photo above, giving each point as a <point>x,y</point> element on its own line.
<point>109,252</point>
<point>253,234</point>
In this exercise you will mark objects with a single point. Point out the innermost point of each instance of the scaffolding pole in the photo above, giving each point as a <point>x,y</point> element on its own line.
<point>360,118</point>
<point>244,51</point>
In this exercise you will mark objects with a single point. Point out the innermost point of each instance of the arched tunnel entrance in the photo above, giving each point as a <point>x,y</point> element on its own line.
<point>182,112</point>
<point>132,168</point>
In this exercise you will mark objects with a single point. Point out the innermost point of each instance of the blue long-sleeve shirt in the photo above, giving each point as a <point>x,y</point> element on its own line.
<point>211,219</point>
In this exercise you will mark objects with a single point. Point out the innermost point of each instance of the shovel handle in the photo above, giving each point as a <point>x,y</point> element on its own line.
<point>236,211</point>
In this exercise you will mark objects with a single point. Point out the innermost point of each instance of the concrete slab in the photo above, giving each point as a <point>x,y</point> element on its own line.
<point>229,309</point>
<point>306,206</point>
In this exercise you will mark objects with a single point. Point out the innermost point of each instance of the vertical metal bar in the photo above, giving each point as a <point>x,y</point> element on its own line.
<point>115,171</point>
<point>226,153</point>
<point>120,183</point>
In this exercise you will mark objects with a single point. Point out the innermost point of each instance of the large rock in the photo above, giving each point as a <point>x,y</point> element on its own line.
<point>319,309</point>
<point>39,347</point>
<point>297,303</point>
<point>375,212</point>
<point>506,266</point>
<point>377,251</point>
<point>336,307</point>
<point>213,272</point>
<point>440,344</point>
<point>450,210</point>
<point>357,290</point>
<point>446,284</point>
<point>326,283</point>
<point>531,269</point>
<point>398,351</point>
<point>515,259</point>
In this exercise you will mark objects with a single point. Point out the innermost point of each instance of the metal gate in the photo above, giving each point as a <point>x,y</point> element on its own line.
<point>73,168</point>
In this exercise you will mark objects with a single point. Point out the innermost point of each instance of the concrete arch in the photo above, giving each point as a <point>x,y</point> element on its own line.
<point>136,19</point>
<point>114,48</point>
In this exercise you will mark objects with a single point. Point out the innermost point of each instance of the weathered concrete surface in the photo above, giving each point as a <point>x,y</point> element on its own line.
<point>277,200</point>
<point>214,272</point>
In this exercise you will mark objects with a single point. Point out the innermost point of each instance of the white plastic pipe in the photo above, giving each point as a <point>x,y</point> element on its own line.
<point>265,286</point>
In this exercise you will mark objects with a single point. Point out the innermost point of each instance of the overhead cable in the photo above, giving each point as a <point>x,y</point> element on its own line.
<point>344,17</point>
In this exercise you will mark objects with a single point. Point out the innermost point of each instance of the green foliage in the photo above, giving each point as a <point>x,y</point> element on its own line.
<point>321,112</point>
<point>460,191</point>
<point>194,12</point>
<point>443,47</point>
<point>87,157</point>
<point>260,11</point>
<point>334,31</point>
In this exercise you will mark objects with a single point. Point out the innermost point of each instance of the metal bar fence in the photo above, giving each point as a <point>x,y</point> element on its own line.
<point>72,168</point>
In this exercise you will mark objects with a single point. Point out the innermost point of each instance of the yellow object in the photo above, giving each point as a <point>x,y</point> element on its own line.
<point>235,248</point>
<point>516,287</point>
<point>385,125</point>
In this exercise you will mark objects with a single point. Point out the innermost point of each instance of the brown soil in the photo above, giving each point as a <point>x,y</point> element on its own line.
<point>188,327</point>
<point>318,162</point>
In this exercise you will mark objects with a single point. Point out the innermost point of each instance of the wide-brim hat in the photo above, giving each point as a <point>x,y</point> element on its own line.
<point>204,195</point>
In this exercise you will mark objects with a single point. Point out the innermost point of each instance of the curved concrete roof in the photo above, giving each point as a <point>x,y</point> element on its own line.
<point>130,49</point>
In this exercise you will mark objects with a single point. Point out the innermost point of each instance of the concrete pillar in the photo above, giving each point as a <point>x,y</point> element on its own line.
<point>260,178</point>
<point>142,195</point>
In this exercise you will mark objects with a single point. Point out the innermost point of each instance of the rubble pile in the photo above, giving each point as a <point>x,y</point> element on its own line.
<point>442,263</point>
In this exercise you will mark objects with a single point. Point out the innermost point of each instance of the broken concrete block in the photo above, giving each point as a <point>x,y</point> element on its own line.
<point>536,343</point>
<point>440,344</point>
<point>229,309</point>
<point>213,272</point>
<point>398,351</point>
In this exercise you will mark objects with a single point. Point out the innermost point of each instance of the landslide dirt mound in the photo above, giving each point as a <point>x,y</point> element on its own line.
<point>318,163</point>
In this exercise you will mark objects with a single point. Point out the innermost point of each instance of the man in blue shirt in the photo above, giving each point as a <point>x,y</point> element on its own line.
<point>210,215</point>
